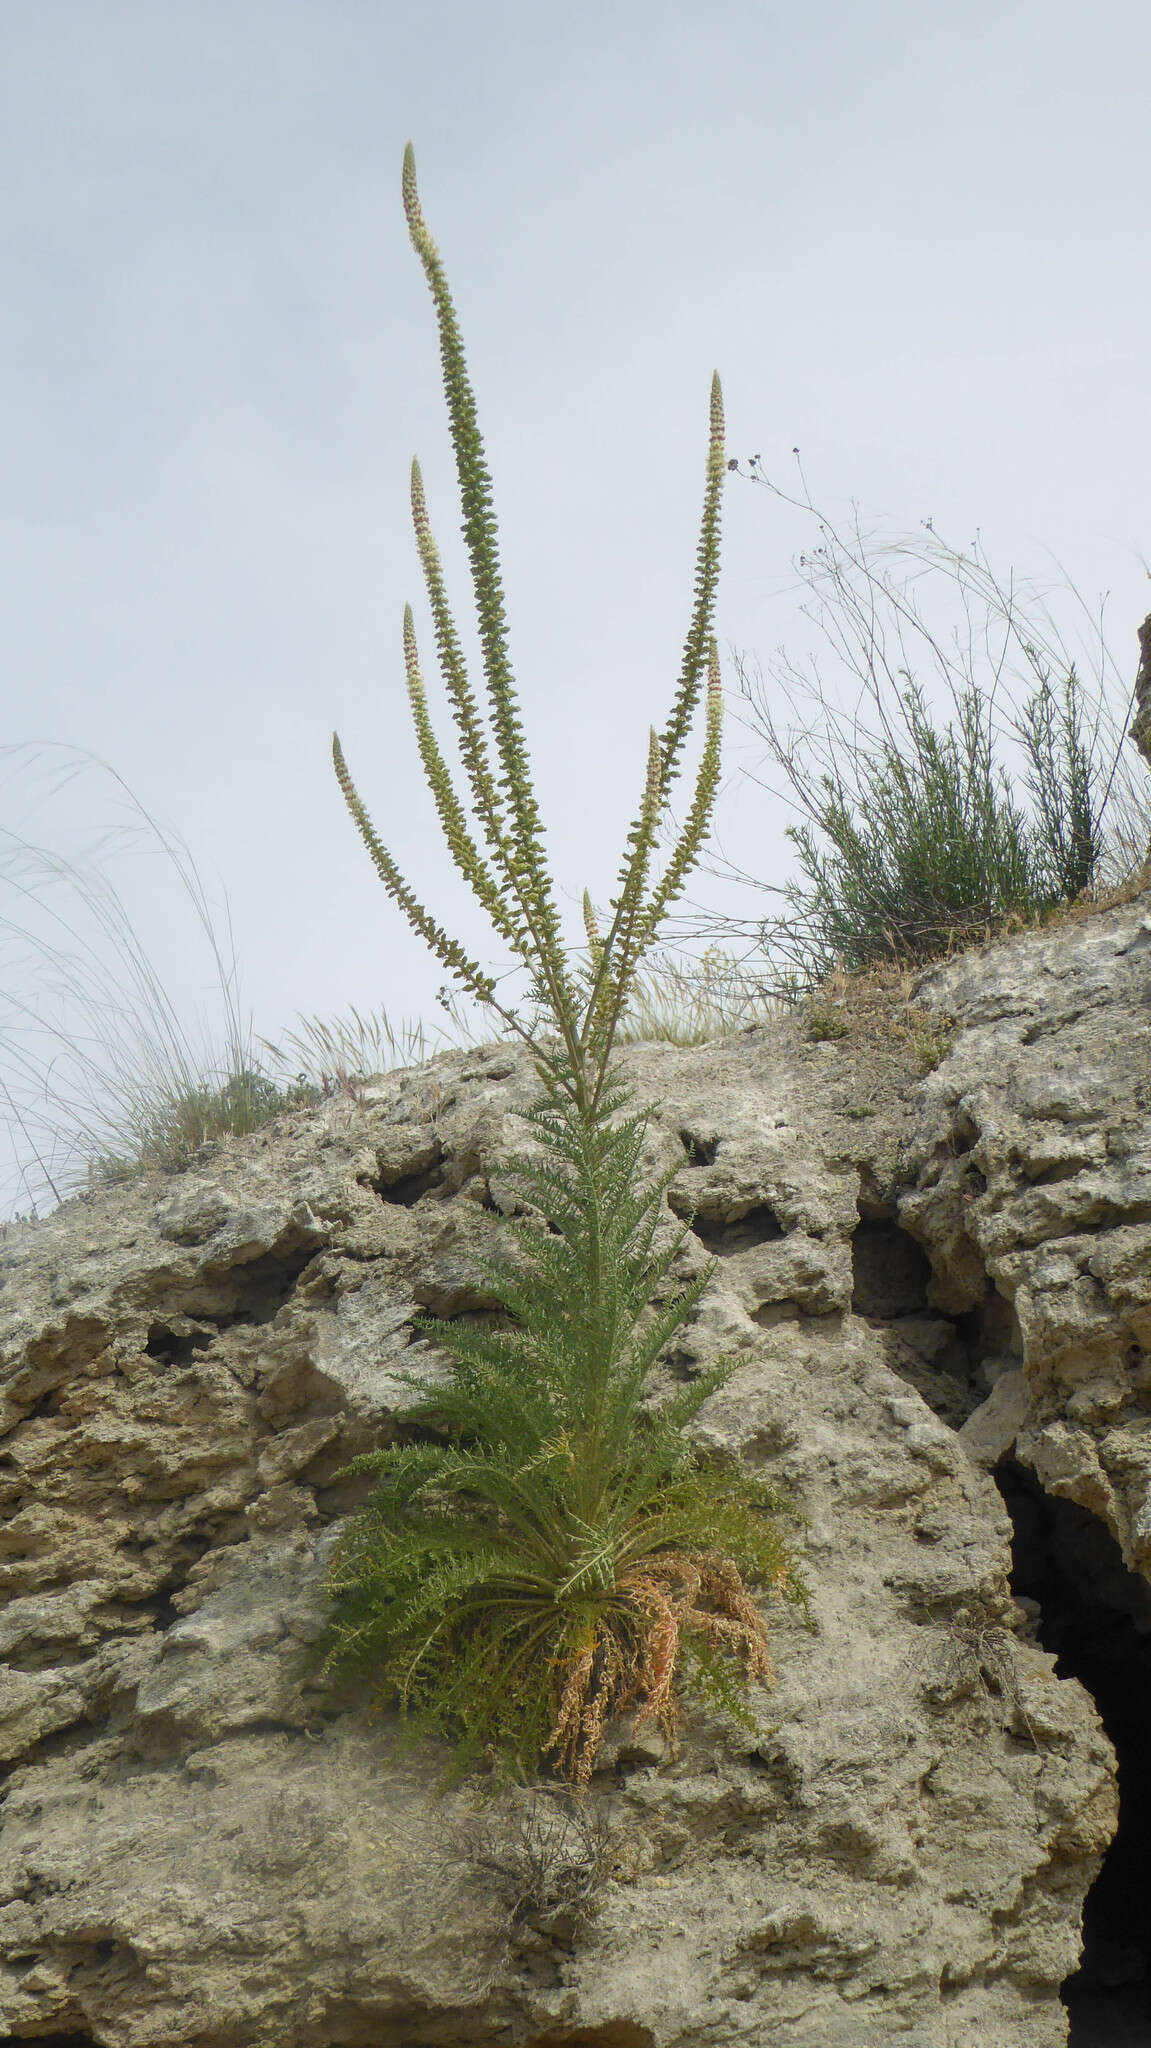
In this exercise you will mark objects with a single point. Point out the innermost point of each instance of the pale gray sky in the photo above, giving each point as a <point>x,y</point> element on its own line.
<point>914,241</point>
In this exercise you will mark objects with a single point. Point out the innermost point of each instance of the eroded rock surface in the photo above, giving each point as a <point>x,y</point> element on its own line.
<point>200,1848</point>
<point>1031,1157</point>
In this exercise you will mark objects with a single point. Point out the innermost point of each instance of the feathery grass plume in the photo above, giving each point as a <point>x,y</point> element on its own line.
<point>337,1055</point>
<point>559,1552</point>
<point>102,1075</point>
<point>694,1001</point>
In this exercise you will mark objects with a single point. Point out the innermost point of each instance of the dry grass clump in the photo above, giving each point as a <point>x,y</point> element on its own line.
<point>979,1654</point>
<point>546,1857</point>
<point>101,1074</point>
<point>336,1055</point>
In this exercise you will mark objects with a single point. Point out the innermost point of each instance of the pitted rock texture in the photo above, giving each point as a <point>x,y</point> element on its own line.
<point>1031,1163</point>
<point>201,1848</point>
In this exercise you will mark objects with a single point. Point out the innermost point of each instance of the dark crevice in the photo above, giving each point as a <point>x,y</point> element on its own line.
<point>1050,1176</point>
<point>952,1360</point>
<point>701,1149</point>
<point>992,1327</point>
<point>159,1606</point>
<point>173,1347</point>
<point>263,1287</point>
<point>682,1365</point>
<point>348,2024</point>
<point>49,2040</point>
<point>409,1188</point>
<point>610,2034</point>
<point>758,1226</point>
<point>1045,1027</point>
<point>493,1064</point>
<point>253,1293</point>
<point>189,1549</point>
<point>37,1655</point>
<point>1110,1218</point>
<point>1095,1617</point>
<point>770,1314</point>
<point>412,1187</point>
<point>74,1740</point>
<point>889,1270</point>
<point>48,1404</point>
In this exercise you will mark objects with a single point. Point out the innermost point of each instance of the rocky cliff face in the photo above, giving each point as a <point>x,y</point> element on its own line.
<point>928,1280</point>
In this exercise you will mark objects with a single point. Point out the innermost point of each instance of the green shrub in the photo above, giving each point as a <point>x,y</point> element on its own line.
<point>1065,781</point>
<point>561,1553</point>
<point>169,1129</point>
<point>919,844</point>
<point>825,1024</point>
<point>968,778</point>
<point>931,1041</point>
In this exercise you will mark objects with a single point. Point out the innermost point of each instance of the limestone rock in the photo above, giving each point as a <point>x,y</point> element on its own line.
<point>200,1845</point>
<point>1030,1187</point>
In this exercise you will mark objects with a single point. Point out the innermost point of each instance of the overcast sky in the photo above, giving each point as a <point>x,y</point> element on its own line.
<point>913,240</point>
